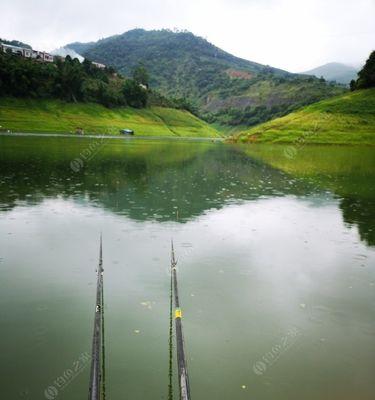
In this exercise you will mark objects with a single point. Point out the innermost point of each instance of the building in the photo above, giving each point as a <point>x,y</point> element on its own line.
<point>101,66</point>
<point>21,51</point>
<point>35,54</point>
<point>41,56</point>
<point>27,53</point>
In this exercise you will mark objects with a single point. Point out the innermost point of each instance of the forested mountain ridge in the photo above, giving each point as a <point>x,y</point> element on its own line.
<point>224,88</point>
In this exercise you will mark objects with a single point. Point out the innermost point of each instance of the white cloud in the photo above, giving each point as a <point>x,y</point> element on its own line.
<point>290,34</point>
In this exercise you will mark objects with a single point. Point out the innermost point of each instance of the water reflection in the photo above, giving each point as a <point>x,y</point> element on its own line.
<point>168,181</point>
<point>262,247</point>
<point>347,172</point>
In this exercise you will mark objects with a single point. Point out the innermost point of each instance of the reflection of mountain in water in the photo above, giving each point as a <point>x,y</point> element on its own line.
<point>150,184</point>
<point>210,180</point>
<point>151,181</point>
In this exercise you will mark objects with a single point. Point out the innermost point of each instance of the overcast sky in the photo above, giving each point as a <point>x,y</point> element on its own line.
<point>295,35</point>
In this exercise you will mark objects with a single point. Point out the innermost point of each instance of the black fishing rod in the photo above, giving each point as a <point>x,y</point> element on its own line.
<point>103,351</point>
<point>170,372</point>
<point>95,386</point>
<point>183,378</point>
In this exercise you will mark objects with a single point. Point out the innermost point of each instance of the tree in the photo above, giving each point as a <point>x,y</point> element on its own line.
<point>366,76</point>
<point>70,79</point>
<point>111,70</point>
<point>135,95</point>
<point>352,85</point>
<point>87,66</point>
<point>140,75</point>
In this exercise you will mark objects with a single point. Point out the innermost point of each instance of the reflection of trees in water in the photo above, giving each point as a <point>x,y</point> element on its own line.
<point>360,212</point>
<point>145,187</point>
<point>153,184</point>
<point>40,172</point>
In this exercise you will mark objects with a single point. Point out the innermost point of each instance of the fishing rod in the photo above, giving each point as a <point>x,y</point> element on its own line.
<point>97,353</point>
<point>183,378</point>
<point>170,372</point>
<point>103,339</point>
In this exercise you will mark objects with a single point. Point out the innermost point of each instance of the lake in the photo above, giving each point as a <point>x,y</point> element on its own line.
<point>276,257</point>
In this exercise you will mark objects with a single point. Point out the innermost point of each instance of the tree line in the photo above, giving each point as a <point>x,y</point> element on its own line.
<point>70,80</point>
<point>366,76</point>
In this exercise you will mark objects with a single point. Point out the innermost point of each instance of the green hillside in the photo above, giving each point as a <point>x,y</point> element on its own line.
<point>26,115</point>
<point>224,88</point>
<point>346,119</point>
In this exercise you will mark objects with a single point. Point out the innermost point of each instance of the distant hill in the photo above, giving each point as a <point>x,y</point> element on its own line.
<point>226,89</point>
<point>346,119</point>
<point>341,73</point>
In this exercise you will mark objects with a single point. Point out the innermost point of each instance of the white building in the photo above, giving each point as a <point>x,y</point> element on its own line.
<point>101,66</point>
<point>27,53</point>
<point>41,56</point>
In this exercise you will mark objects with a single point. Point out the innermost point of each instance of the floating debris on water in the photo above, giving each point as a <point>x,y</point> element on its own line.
<point>147,304</point>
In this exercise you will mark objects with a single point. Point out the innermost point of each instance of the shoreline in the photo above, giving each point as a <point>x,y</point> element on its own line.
<point>109,136</point>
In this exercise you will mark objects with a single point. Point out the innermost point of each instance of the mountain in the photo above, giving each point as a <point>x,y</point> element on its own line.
<point>346,119</point>
<point>224,88</point>
<point>341,73</point>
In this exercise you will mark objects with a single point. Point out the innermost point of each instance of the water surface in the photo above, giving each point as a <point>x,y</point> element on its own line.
<point>276,264</point>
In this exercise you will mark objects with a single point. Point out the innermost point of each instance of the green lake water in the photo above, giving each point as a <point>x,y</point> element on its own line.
<point>276,259</point>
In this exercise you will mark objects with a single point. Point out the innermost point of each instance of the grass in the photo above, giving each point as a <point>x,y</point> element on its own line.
<point>346,119</point>
<point>29,115</point>
<point>228,130</point>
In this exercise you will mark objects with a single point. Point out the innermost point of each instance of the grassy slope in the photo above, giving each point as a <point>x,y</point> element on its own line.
<point>24,115</point>
<point>346,119</point>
